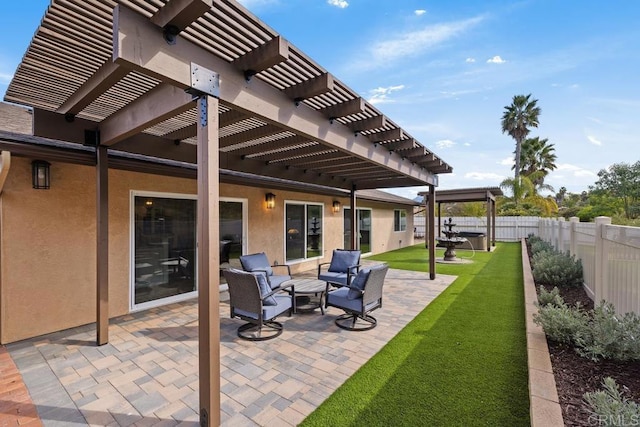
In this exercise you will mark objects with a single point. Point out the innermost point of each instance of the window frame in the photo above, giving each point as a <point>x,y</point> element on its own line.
<point>398,226</point>
<point>305,204</point>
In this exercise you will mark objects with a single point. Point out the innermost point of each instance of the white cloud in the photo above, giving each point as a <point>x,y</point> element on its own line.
<point>467,144</point>
<point>419,12</point>
<point>507,161</point>
<point>496,60</point>
<point>592,139</point>
<point>380,95</point>
<point>484,176</point>
<point>414,43</point>
<point>470,60</point>
<point>5,78</point>
<point>445,143</point>
<point>574,170</point>
<point>338,3</point>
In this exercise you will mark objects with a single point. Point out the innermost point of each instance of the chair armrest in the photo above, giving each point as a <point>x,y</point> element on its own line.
<point>320,266</point>
<point>349,273</point>
<point>283,265</point>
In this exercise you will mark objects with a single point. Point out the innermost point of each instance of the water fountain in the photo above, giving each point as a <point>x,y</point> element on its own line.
<point>450,241</point>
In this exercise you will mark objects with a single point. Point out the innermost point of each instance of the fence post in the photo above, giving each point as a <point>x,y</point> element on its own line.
<point>600,259</point>
<point>560,241</point>
<point>572,235</point>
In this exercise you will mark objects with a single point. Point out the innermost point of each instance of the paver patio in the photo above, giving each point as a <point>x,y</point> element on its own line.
<point>148,373</point>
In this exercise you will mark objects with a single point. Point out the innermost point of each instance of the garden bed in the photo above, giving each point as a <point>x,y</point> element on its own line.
<point>575,375</point>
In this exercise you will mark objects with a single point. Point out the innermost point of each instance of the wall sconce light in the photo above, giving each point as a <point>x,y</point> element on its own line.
<point>270,198</point>
<point>336,206</point>
<point>40,174</point>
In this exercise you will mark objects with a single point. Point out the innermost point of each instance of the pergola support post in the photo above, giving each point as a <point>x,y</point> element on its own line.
<point>432,230</point>
<point>354,220</point>
<point>488,223</point>
<point>493,223</point>
<point>102,245</point>
<point>208,261</point>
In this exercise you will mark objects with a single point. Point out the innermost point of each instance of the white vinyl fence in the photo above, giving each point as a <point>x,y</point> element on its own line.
<point>508,228</point>
<point>610,256</point>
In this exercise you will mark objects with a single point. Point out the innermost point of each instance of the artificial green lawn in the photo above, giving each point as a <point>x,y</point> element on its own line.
<point>462,361</point>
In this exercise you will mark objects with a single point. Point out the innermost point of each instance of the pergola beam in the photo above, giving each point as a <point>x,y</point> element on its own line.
<point>385,135</point>
<point>309,88</point>
<point>403,144</point>
<point>159,104</point>
<point>263,57</point>
<point>104,78</point>
<point>343,109</point>
<point>180,13</point>
<point>371,123</point>
<point>277,144</point>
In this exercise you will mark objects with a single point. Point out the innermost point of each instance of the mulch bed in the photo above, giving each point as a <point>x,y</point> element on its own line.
<point>576,375</point>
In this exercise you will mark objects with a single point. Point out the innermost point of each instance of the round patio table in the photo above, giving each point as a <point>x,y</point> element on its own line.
<point>309,293</point>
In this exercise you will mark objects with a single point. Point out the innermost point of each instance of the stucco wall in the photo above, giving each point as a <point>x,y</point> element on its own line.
<point>383,238</point>
<point>48,248</point>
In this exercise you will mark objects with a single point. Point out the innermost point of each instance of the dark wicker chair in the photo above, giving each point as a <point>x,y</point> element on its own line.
<point>360,298</point>
<point>253,301</point>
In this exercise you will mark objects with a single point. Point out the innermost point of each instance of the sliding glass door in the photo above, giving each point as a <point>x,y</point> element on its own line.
<point>164,249</point>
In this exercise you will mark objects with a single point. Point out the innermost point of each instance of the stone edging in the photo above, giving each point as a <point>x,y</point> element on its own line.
<point>544,406</point>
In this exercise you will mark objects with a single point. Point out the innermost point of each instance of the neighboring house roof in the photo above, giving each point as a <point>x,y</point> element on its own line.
<point>383,196</point>
<point>15,118</point>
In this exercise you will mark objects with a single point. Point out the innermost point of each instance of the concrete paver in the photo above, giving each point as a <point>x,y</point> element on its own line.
<point>147,374</point>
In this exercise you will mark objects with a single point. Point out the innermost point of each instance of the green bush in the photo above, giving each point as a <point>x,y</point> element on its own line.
<point>609,335</point>
<point>546,298</point>
<point>541,246</point>
<point>557,269</point>
<point>610,408</point>
<point>561,323</point>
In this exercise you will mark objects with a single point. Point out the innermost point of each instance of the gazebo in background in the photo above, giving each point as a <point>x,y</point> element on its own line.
<point>483,194</point>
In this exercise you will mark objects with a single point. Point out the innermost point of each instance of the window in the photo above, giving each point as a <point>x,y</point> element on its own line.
<point>399,220</point>
<point>303,231</point>
<point>363,227</point>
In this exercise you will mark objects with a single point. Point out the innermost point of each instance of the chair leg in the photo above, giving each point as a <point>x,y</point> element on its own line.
<point>350,322</point>
<point>253,332</point>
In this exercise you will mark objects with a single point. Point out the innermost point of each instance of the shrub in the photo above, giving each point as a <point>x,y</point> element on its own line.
<point>557,269</point>
<point>610,336</point>
<point>541,246</point>
<point>561,323</point>
<point>546,298</point>
<point>610,408</point>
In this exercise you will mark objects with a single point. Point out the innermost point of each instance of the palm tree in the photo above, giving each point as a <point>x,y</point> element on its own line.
<point>525,199</point>
<point>517,119</point>
<point>537,158</point>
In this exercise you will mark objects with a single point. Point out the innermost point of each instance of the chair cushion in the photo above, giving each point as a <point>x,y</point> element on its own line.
<point>256,262</point>
<point>335,278</point>
<point>283,303</point>
<point>338,298</point>
<point>278,279</point>
<point>265,289</point>
<point>357,285</point>
<point>342,260</point>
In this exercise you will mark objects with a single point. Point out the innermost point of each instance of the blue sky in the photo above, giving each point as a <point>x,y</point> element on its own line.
<point>444,71</point>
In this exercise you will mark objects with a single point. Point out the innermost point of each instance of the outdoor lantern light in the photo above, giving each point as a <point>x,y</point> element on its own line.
<point>41,176</point>
<point>336,206</point>
<point>270,198</point>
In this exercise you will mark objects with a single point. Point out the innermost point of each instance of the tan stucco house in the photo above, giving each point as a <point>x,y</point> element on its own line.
<point>166,138</point>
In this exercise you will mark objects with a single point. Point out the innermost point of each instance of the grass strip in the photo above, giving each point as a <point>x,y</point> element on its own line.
<point>461,361</point>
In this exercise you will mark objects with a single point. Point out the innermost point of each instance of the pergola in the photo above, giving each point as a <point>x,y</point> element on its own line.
<point>197,82</point>
<point>484,194</point>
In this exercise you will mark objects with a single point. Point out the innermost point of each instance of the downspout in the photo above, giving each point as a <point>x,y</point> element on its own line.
<point>5,164</point>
